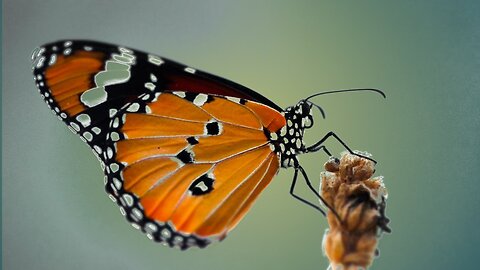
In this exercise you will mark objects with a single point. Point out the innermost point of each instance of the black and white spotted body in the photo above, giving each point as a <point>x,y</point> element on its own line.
<point>288,141</point>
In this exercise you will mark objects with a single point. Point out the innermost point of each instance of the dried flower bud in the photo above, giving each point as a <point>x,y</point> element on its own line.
<point>359,201</point>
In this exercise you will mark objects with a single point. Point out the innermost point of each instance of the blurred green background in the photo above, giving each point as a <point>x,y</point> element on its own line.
<point>424,54</point>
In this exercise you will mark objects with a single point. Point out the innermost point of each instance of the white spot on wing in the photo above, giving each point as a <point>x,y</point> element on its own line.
<point>234,99</point>
<point>84,119</point>
<point>40,62</point>
<point>137,213</point>
<point>115,122</point>
<point>117,183</point>
<point>75,126</point>
<point>150,227</point>
<point>53,59</point>
<point>96,130</point>
<point>88,136</point>
<point>94,96</point>
<point>109,152</point>
<point>155,98</point>
<point>150,86</point>
<point>200,99</point>
<point>190,70</point>
<point>179,94</point>
<point>125,50</point>
<point>133,107</point>
<point>165,234</point>
<point>115,137</point>
<point>272,147</point>
<point>128,199</point>
<point>41,51</point>
<point>112,112</point>
<point>155,60</point>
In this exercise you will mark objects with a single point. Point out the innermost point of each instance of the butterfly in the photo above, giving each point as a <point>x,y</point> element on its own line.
<point>185,153</point>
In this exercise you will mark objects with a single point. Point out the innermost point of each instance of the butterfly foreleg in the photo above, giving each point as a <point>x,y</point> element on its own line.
<point>319,146</point>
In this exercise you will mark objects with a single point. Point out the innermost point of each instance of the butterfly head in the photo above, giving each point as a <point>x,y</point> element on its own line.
<point>288,141</point>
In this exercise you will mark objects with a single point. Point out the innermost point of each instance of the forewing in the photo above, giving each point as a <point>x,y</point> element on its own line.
<point>86,82</point>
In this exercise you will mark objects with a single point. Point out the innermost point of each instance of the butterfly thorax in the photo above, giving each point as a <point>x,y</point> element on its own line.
<point>288,141</point>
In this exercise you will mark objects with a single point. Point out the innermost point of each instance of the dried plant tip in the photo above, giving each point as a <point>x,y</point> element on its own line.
<point>332,164</point>
<point>360,201</point>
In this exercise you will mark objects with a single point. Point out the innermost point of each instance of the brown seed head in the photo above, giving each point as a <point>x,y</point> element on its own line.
<point>359,200</point>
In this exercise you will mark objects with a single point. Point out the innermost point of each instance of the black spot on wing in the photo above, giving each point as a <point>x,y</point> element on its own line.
<point>209,99</point>
<point>213,128</point>
<point>190,96</point>
<point>192,140</point>
<point>185,156</point>
<point>201,186</point>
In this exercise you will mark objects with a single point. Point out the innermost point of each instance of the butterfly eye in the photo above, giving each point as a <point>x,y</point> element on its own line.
<point>306,109</point>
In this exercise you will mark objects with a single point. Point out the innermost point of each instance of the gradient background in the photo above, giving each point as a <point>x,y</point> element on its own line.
<point>426,56</point>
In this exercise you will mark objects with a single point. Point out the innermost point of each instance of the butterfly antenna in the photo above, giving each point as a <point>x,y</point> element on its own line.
<point>348,90</point>
<point>318,107</point>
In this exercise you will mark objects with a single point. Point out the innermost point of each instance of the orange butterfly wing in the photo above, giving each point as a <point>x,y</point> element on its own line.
<point>70,76</point>
<point>185,166</point>
<point>186,171</point>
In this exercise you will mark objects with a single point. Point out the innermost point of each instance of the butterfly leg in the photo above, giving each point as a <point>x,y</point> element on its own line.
<point>310,186</point>
<point>292,192</point>
<point>319,145</point>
